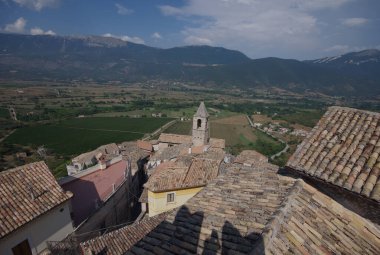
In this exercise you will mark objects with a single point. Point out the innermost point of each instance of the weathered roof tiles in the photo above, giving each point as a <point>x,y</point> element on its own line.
<point>249,211</point>
<point>343,149</point>
<point>26,192</point>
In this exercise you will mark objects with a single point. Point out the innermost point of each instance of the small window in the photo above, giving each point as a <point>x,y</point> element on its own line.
<point>171,197</point>
<point>199,123</point>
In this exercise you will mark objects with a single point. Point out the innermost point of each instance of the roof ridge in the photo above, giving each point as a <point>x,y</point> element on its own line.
<point>20,167</point>
<point>353,109</point>
<point>273,225</point>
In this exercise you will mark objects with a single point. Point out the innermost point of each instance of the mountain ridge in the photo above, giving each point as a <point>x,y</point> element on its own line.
<point>44,57</point>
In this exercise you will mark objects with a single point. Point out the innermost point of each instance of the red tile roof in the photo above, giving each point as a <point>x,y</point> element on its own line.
<point>119,241</point>
<point>145,145</point>
<point>96,186</point>
<point>17,207</point>
<point>174,138</point>
<point>183,173</point>
<point>251,157</point>
<point>343,149</point>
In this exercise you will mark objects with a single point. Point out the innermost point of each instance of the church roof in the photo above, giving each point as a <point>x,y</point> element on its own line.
<point>202,112</point>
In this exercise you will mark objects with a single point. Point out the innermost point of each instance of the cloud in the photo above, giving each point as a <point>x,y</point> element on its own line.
<point>122,10</point>
<point>17,27</point>
<point>355,22</point>
<point>194,40</point>
<point>39,31</point>
<point>127,38</point>
<point>168,10</point>
<point>37,4</point>
<point>254,26</point>
<point>156,36</point>
<point>339,48</point>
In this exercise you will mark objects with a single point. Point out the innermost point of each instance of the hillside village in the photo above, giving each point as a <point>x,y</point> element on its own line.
<point>184,194</point>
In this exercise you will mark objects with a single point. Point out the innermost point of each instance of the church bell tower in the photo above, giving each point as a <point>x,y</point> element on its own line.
<point>200,134</point>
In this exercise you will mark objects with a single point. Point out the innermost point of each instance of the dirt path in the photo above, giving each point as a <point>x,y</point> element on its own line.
<point>276,138</point>
<point>160,130</point>
<point>5,137</point>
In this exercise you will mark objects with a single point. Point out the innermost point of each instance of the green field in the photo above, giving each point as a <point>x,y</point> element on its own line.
<point>180,128</point>
<point>75,136</point>
<point>308,118</point>
<point>4,113</point>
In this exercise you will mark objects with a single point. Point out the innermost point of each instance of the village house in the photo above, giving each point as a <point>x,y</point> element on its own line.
<point>101,157</point>
<point>34,210</point>
<point>247,210</point>
<point>108,195</point>
<point>173,183</point>
<point>182,166</point>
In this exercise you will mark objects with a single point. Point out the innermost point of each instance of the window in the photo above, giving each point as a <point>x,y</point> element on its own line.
<point>171,197</point>
<point>22,248</point>
<point>199,123</point>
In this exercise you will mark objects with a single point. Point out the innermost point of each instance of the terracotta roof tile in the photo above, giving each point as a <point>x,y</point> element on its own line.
<point>145,145</point>
<point>120,241</point>
<point>174,138</point>
<point>249,210</point>
<point>17,207</point>
<point>250,157</point>
<point>185,172</point>
<point>217,143</point>
<point>343,149</point>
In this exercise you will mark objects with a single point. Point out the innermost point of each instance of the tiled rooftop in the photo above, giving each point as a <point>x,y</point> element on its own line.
<point>131,151</point>
<point>250,157</point>
<point>145,145</point>
<point>249,211</point>
<point>109,151</point>
<point>171,152</point>
<point>343,149</point>
<point>17,206</point>
<point>185,172</point>
<point>93,188</point>
<point>217,143</point>
<point>174,138</point>
<point>167,176</point>
<point>119,241</point>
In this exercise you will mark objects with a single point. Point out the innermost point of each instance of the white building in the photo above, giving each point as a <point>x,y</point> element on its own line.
<point>34,209</point>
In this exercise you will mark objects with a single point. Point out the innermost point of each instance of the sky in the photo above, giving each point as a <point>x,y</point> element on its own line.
<point>297,29</point>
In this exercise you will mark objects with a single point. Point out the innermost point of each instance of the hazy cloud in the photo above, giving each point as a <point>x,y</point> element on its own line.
<point>122,10</point>
<point>170,10</point>
<point>194,40</point>
<point>253,25</point>
<point>37,4</point>
<point>17,27</point>
<point>39,31</point>
<point>127,38</point>
<point>156,36</point>
<point>355,22</point>
<point>338,48</point>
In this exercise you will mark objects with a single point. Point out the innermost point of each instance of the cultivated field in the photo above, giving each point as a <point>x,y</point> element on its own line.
<point>75,136</point>
<point>181,128</point>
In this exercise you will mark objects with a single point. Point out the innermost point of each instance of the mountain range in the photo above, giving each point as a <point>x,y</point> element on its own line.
<point>102,59</point>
